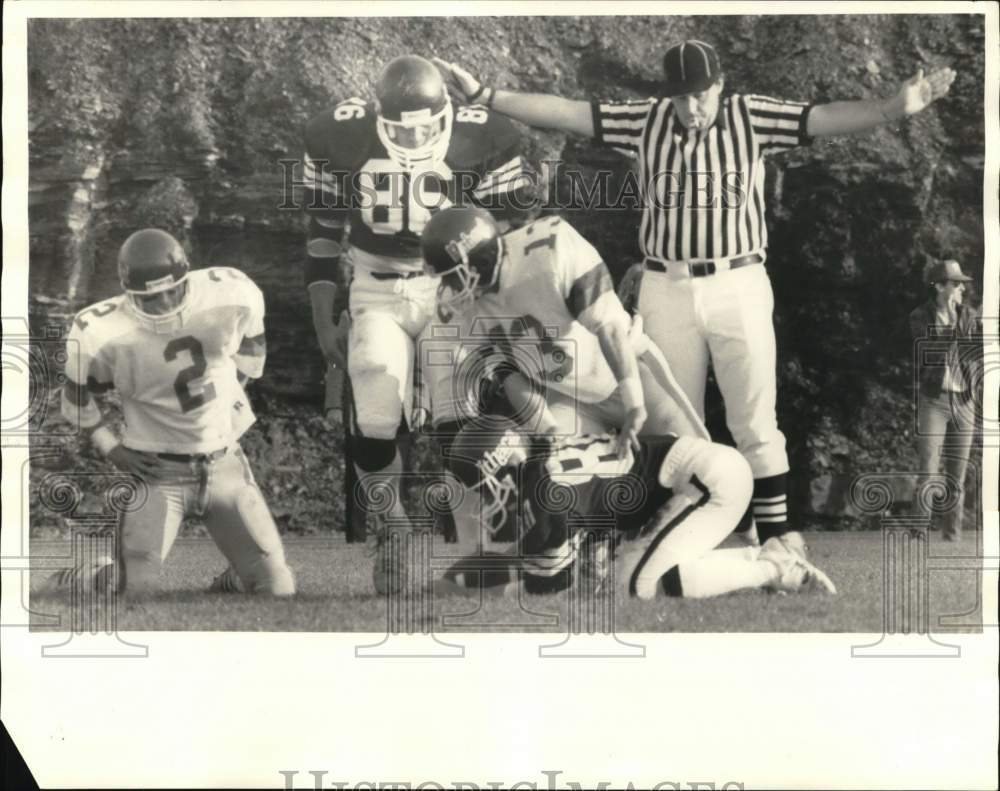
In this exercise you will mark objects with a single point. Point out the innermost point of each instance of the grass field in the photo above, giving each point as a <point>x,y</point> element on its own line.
<point>335,595</point>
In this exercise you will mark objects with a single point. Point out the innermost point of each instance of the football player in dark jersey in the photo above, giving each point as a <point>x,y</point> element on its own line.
<point>381,169</point>
<point>674,501</point>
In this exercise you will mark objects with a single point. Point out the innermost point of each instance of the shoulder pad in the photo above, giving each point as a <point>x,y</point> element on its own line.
<point>565,230</point>
<point>98,324</point>
<point>343,135</point>
<point>539,228</point>
<point>228,285</point>
<point>480,135</point>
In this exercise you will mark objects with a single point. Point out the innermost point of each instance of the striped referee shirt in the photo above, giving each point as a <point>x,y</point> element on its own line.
<point>703,191</point>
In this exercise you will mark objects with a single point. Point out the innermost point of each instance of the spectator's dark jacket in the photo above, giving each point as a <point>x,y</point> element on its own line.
<point>959,346</point>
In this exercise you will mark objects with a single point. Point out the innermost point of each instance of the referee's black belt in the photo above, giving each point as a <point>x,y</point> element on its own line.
<point>186,458</point>
<point>704,268</point>
<point>395,275</point>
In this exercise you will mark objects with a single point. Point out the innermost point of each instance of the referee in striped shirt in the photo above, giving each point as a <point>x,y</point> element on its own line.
<point>705,292</point>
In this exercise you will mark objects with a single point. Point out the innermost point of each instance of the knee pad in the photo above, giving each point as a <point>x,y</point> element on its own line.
<point>378,419</point>
<point>371,454</point>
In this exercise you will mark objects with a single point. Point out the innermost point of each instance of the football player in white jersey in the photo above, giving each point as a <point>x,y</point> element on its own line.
<point>544,287</point>
<point>178,346</point>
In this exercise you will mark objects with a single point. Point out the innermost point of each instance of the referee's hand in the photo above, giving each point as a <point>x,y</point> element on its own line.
<point>459,81</point>
<point>919,91</point>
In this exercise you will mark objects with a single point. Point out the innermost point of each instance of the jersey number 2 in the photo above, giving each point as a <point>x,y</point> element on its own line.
<point>185,376</point>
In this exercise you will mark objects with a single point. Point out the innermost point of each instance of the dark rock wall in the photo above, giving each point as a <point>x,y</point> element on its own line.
<point>182,123</point>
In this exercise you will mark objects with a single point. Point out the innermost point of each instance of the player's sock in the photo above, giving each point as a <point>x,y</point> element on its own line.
<point>746,521</point>
<point>770,506</point>
<point>722,571</point>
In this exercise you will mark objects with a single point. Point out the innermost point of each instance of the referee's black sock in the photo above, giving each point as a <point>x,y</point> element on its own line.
<point>770,506</point>
<point>746,521</point>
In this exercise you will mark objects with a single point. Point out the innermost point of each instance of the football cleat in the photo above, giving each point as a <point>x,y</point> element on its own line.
<point>227,582</point>
<point>794,543</point>
<point>98,576</point>
<point>794,574</point>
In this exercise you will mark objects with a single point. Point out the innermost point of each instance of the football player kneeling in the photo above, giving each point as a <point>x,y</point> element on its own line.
<point>177,345</point>
<point>671,505</point>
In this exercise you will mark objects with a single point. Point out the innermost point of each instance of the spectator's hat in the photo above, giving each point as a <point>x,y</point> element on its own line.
<point>690,67</point>
<point>941,271</point>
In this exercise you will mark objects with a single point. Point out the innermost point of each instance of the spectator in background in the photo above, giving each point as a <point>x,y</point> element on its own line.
<point>948,380</point>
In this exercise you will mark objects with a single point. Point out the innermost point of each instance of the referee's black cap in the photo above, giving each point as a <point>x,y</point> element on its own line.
<point>690,67</point>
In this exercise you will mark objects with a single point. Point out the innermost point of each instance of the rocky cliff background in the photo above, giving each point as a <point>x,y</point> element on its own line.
<point>182,123</point>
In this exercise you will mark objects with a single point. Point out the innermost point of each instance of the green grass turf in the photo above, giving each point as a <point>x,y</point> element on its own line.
<point>335,594</point>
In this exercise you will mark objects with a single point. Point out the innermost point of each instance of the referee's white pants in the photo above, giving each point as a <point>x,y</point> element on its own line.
<point>727,316</point>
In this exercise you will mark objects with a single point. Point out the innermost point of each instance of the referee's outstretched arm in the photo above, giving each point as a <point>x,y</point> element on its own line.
<point>840,118</point>
<point>541,110</point>
<point>835,118</point>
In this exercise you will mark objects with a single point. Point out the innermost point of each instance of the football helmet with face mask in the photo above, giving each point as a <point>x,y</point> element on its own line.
<point>153,270</point>
<point>414,113</point>
<point>484,457</point>
<point>464,247</point>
